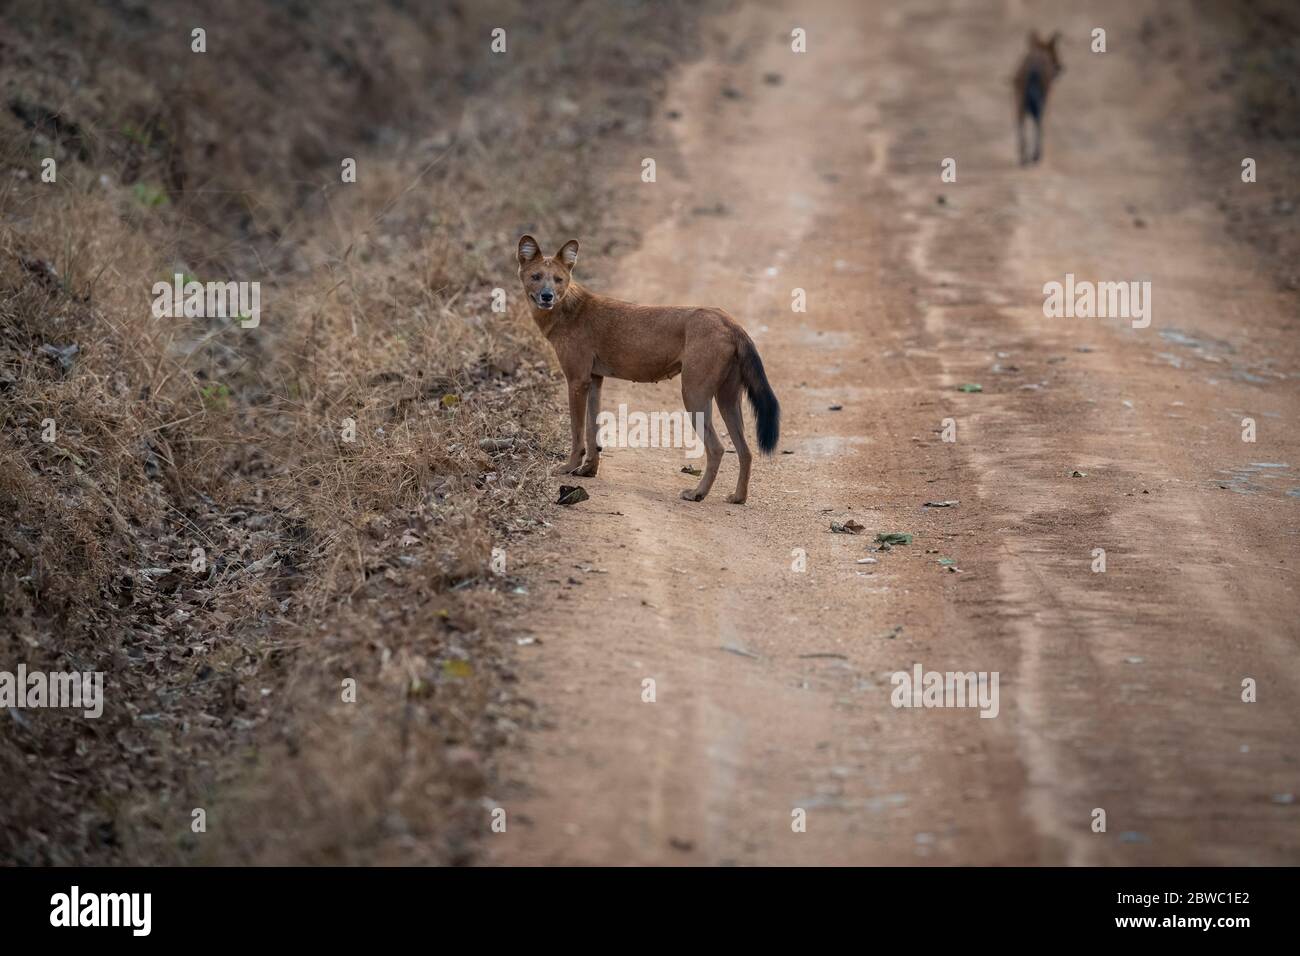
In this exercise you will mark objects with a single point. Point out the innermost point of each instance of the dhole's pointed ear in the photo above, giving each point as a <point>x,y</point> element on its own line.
<point>568,253</point>
<point>1053,40</point>
<point>528,250</point>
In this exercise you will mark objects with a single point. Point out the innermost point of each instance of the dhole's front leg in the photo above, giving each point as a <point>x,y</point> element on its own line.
<point>578,391</point>
<point>591,458</point>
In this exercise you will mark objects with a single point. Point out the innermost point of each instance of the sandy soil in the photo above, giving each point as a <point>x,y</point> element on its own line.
<point>1118,690</point>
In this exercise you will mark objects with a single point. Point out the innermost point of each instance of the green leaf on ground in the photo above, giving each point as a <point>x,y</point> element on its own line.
<point>894,537</point>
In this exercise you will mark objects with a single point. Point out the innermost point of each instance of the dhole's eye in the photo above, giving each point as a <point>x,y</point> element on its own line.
<point>536,276</point>
<point>558,279</point>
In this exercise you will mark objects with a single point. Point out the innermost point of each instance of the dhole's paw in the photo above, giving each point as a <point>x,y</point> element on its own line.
<point>690,494</point>
<point>565,469</point>
<point>588,469</point>
<point>736,499</point>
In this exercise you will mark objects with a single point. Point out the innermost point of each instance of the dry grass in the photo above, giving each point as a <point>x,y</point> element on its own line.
<point>324,559</point>
<point>1255,49</point>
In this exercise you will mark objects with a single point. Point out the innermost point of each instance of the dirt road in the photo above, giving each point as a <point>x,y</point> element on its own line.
<point>1119,690</point>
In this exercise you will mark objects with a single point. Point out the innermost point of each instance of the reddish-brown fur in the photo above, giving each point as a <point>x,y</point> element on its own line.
<point>1038,70</point>
<point>595,336</point>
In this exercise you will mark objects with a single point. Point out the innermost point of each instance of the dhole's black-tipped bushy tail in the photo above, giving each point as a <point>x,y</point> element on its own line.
<point>1035,95</point>
<point>766,408</point>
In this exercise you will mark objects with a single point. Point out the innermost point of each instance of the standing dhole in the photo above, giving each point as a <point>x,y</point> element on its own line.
<point>1040,67</point>
<point>595,336</point>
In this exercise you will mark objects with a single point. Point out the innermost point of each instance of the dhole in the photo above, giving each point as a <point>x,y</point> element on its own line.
<point>1040,67</point>
<point>595,336</point>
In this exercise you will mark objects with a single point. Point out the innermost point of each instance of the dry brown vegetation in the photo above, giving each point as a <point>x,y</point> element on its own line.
<point>322,559</point>
<point>1255,51</point>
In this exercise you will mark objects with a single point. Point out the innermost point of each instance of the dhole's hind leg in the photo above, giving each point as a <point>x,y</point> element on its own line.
<point>699,403</point>
<point>730,409</point>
